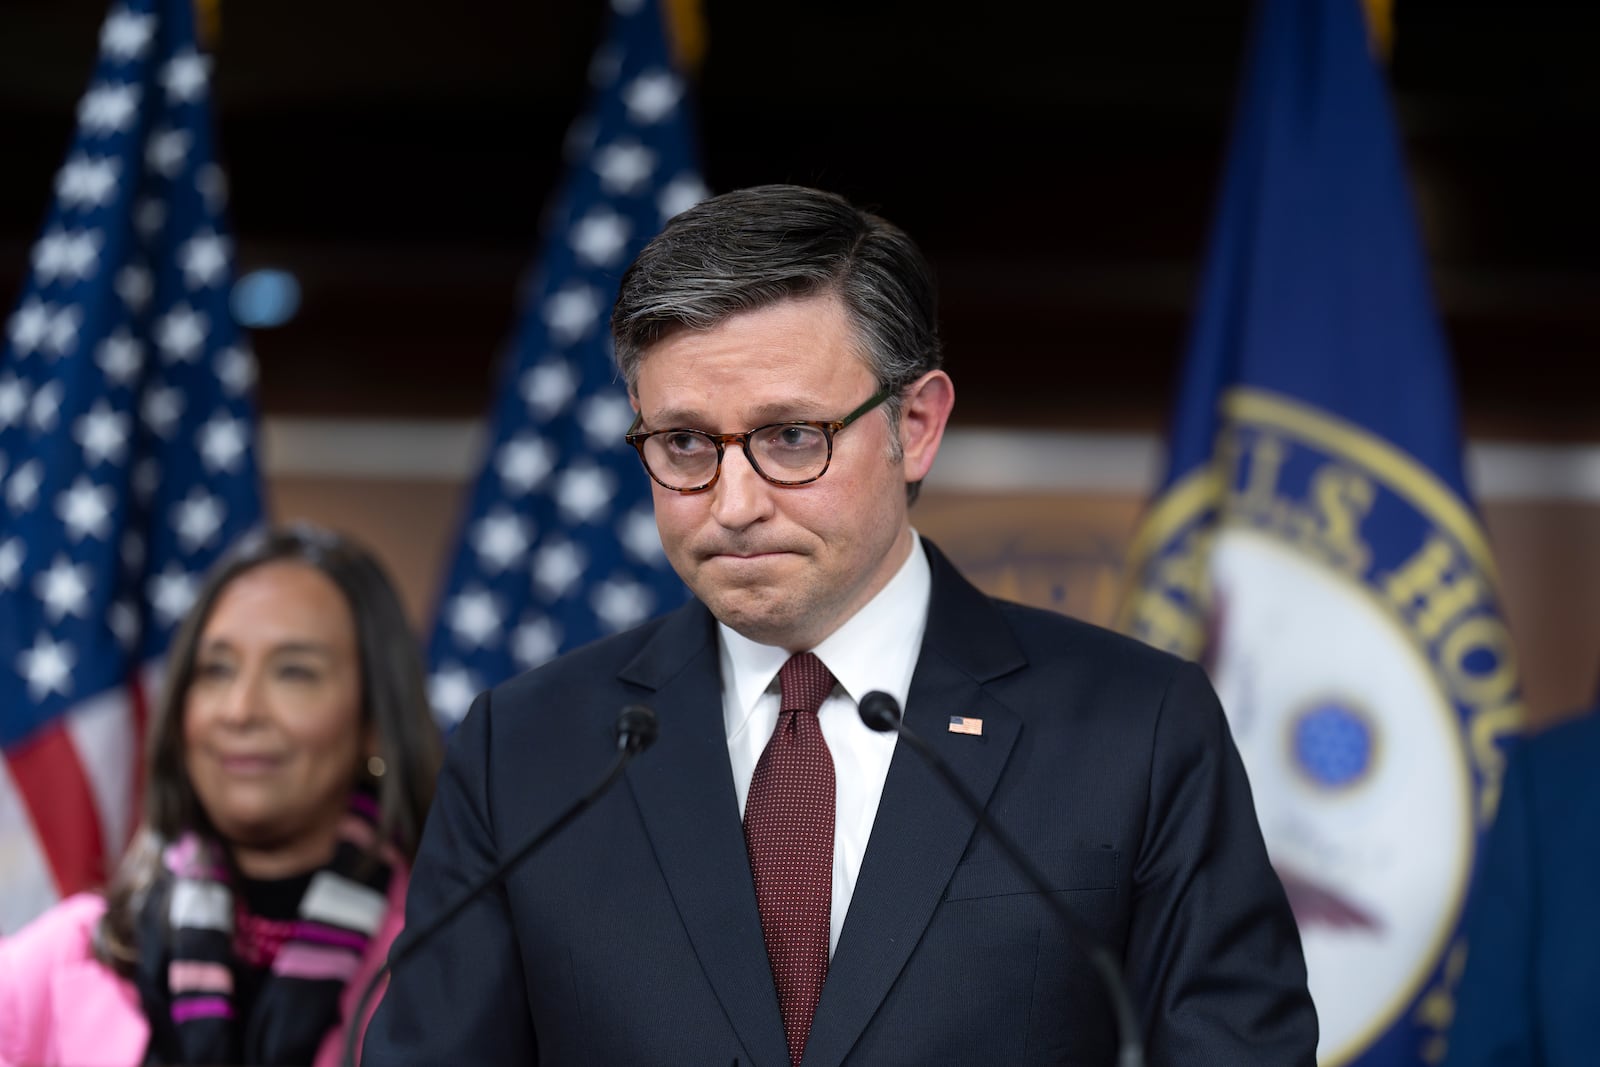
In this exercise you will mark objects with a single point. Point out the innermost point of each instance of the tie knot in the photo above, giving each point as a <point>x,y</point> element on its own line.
<point>805,683</point>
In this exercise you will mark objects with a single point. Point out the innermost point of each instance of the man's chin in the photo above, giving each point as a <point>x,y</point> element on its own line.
<point>753,613</point>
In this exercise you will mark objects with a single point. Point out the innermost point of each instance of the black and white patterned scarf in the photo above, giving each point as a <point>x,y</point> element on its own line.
<point>187,963</point>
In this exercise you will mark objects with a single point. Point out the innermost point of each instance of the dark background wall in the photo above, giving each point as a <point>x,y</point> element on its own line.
<point>1058,161</point>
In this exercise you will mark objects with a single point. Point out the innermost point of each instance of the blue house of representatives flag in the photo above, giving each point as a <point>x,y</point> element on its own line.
<point>126,450</point>
<point>1315,545</point>
<point>559,545</point>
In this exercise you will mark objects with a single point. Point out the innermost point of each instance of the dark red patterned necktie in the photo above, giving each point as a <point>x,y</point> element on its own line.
<point>788,828</point>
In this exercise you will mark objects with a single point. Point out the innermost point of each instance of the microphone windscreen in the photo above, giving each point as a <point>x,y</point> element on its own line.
<point>636,727</point>
<point>879,711</point>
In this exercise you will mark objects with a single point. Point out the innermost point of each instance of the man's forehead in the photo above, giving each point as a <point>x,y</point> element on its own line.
<point>789,334</point>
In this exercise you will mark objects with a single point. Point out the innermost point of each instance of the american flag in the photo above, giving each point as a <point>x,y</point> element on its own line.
<point>559,545</point>
<point>126,450</point>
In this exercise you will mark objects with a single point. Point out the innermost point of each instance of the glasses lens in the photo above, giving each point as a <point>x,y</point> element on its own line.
<point>681,459</point>
<point>790,453</point>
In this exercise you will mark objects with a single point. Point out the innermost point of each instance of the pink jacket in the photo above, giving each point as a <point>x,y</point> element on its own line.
<point>60,1007</point>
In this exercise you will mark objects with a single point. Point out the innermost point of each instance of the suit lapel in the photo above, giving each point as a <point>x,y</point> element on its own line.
<point>684,790</point>
<point>921,830</point>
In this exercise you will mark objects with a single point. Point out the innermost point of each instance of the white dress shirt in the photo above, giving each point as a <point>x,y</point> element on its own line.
<point>876,648</point>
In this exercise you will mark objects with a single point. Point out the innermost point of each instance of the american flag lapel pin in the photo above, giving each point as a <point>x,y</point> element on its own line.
<point>961,724</point>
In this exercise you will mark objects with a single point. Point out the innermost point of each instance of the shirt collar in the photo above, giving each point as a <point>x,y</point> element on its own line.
<point>876,648</point>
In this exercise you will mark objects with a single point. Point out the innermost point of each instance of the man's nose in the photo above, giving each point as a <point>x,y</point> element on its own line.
<point>741,496</point>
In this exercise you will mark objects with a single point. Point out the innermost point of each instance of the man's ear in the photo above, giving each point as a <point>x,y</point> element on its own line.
<point>924,411</point>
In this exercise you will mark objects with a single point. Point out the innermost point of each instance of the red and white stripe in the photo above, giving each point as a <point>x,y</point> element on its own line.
<point>69,801</point>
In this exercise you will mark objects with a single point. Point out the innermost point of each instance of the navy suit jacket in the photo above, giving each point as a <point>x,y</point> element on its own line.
<point>1530,996</point>
<point>633,938</point>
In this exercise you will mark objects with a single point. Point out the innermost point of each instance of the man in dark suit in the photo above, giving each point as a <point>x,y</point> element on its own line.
<point>775,882</point>
<point>1528,995</point>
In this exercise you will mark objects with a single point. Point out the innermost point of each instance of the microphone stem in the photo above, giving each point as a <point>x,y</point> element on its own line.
<point>1130,1052</point>
<point>413,941</point>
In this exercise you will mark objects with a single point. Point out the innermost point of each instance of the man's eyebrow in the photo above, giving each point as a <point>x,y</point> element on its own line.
<point>787,411</point>
<point>669,418</point>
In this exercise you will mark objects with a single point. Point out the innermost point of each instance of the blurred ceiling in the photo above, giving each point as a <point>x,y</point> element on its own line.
<point>1057,161</point>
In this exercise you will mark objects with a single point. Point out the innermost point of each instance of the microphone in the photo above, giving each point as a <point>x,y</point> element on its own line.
<point>636,730</point>
<point>880,712</point>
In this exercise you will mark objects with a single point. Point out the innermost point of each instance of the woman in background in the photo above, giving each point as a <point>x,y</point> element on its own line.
<point>290,766</point>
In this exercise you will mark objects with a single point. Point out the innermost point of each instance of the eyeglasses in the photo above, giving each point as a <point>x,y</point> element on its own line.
<point>784,453</point>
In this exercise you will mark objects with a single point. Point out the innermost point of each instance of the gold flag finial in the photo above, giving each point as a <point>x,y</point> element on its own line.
<point>686,28</point>
<point>207,22</point>
<point>1380,27</point>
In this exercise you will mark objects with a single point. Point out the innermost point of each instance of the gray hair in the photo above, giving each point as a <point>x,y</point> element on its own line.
<point>750,248</point>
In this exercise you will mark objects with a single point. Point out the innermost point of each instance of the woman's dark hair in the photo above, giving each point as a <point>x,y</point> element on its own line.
<point>393,701</point>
